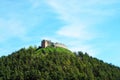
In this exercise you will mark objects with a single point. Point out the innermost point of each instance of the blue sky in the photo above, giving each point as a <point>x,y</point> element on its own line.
<point>91,26</point>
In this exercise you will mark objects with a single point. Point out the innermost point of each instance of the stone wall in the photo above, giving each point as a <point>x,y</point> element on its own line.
<point>59,45</point>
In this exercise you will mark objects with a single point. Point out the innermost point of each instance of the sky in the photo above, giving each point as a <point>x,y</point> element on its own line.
<point>91,26</point>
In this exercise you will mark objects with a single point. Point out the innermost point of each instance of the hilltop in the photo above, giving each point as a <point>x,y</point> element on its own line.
<point>55,63</point>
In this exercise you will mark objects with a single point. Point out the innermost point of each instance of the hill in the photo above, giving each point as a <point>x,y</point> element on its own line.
<point>55,64</point>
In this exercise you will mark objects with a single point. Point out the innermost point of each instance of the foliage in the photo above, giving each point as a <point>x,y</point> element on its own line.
<point>55,64</point>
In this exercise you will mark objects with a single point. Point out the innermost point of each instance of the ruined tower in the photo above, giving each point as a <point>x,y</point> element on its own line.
<point>46,43</point>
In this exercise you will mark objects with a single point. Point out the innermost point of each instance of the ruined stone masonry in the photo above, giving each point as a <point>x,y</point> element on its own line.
<point>46,43</point>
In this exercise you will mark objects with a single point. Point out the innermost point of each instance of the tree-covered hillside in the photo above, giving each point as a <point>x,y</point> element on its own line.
<point>55,64</point>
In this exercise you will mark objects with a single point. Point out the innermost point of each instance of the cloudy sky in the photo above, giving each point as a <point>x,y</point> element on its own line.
<point>91,26</point>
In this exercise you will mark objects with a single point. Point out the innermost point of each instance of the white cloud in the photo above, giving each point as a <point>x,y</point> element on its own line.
<point>80,16</point>
<point>35,3</point>
<point>76,31</point>
<point>89,7</point>
<point>11,28</point>
<point>69,12</point>
<point>103,2</point>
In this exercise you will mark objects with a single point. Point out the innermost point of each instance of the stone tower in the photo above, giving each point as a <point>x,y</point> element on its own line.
<point>45,43</point>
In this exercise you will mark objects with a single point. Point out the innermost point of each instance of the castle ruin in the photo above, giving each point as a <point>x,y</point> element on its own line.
<point>46,43</point>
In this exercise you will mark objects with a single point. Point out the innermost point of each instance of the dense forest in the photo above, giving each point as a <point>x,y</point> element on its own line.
<point>55,64</point>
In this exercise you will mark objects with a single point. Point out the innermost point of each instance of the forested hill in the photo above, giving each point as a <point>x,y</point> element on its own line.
<point>55,64</point>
